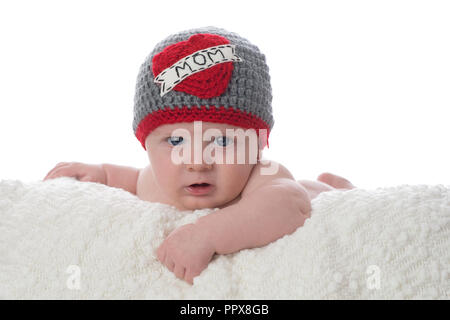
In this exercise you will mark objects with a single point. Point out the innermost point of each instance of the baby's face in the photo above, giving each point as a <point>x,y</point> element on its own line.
<point>179,158</point>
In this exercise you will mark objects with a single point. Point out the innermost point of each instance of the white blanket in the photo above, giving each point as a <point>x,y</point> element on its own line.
<point>64,239</point>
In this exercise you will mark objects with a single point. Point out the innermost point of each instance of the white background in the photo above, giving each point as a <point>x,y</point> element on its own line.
<point>361,88</point>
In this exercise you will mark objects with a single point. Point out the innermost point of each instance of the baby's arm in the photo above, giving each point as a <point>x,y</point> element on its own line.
<point>266,214</point>
<point>108,174</point>
<point>121,177</point>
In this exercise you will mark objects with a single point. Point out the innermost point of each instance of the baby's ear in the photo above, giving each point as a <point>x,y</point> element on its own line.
<point>261,142</point>
<point>147,143</point>
<point>261,146</point>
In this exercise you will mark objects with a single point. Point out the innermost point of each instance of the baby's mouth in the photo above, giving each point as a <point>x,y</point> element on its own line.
<point>199,185</point>
<point>199,188</point>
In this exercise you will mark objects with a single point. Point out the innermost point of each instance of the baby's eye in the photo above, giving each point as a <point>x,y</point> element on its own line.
<point>223,141</point>
<point>174,140</point>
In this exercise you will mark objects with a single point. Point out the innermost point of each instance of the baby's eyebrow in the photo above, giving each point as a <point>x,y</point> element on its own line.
<point>166,133</point>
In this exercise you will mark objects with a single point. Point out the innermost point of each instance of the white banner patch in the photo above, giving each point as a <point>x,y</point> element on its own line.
<point>196,62</point>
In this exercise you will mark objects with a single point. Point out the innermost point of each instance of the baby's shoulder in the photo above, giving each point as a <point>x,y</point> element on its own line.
<point>264,173</point>
<point>145,188</point>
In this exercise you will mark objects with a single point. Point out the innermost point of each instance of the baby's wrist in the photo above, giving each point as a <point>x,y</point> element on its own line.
<point>222,231</point>
<point>208,228</point>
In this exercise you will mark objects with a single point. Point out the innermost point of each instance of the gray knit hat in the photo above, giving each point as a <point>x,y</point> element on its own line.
<point>206,74</point>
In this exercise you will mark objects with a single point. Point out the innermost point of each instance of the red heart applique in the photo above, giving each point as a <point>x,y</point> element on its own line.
<point>208,83</point>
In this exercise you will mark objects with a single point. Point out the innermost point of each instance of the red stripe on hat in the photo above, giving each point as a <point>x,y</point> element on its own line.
<point>212,114</point>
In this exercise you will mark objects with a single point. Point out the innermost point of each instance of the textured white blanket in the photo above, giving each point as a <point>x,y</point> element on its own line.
<point>66,239</point>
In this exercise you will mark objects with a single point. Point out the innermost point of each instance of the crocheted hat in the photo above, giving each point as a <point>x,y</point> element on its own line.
<point>206,74</point>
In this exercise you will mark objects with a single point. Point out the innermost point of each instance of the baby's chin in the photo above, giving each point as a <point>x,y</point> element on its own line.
<point>200,202</point>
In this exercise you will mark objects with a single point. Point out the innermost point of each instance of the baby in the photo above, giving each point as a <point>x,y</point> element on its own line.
<point>203,114</point>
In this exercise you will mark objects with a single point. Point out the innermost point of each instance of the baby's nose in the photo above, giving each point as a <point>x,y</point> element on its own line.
<point>199,166</point>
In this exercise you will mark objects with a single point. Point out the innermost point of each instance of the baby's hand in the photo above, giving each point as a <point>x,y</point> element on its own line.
<point>80,171</point>
<point>186,252</point>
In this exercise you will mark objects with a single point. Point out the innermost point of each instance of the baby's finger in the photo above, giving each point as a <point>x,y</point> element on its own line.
<point>86,179</point>
<point>50,173</point>
<point>46,177</point>
<point>179,271</point>
<point>189,277</point>
<point>161,254</point>
<point>59,165</point>
<point>169,263</point>
<point>64,172</point>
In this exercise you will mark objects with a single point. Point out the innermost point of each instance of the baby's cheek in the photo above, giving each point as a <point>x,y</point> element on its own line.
<point>234,184</point>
